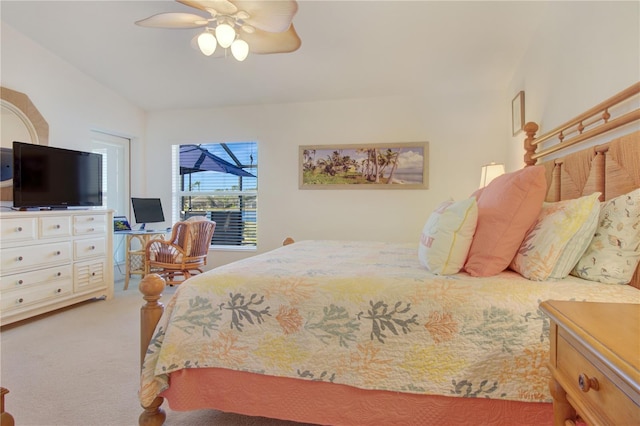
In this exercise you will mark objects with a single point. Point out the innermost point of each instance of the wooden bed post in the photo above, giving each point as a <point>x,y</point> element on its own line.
<point>151,286</point>
<point>6,419</point>
<point>530,129</point>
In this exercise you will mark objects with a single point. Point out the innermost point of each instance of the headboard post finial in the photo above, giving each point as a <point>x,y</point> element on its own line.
<point>530,129</point>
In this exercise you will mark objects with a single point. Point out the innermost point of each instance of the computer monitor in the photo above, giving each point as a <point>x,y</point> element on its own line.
<point>147,210</point>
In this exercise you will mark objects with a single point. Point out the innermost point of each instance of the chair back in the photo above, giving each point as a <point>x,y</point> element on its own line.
<point>197,237</point>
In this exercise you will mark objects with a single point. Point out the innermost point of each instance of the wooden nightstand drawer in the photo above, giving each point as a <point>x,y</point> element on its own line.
<point>594,361</point>
<point>612,394</point>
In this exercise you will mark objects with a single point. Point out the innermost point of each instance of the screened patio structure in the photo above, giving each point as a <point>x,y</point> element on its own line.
<point>221,189</point>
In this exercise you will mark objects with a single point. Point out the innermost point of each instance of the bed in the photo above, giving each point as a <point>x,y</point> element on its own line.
<point>362,333</point>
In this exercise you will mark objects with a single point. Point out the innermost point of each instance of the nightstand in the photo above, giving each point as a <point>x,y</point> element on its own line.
<point>595,362</point>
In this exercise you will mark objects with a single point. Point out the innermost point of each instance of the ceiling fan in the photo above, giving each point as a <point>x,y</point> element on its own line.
<point>262,26</point>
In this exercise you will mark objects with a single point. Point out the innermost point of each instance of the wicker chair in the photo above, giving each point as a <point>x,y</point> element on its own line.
<point>185,254</point>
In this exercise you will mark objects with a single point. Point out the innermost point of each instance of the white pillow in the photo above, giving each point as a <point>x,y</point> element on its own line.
<point>614,252</point>
<point>447,235</point>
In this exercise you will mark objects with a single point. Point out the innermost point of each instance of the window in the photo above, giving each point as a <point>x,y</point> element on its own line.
<point>219,181</point>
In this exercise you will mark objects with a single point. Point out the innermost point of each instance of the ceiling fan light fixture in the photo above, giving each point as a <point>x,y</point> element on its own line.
<point>240,49</point>
<point>207,43</point>
<point>225,35</point>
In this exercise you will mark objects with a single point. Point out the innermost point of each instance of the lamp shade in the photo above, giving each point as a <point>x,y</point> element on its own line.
<point>225,35</point>
<point>489,172</point>
<point>207,43</point>
<point>240,49</point>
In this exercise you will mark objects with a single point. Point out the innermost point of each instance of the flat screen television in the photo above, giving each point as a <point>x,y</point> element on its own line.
<point>48,177</point>
<point>147,210</point>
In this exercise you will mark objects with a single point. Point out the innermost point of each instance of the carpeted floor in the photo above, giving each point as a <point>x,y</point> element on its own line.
<point>79,366</point>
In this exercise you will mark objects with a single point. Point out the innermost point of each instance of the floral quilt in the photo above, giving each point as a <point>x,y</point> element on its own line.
<point>368,315</point>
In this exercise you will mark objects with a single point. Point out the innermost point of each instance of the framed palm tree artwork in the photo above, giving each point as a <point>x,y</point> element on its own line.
<point>364,166</point>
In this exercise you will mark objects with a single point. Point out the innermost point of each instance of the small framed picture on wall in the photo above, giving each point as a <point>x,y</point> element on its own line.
<point>517,113</point>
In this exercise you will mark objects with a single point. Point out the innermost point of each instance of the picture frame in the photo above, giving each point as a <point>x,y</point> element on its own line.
<point>352,166</point>
<point>517,113</point>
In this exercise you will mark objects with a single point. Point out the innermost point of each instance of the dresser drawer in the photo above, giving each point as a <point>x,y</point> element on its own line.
<point>29,279</point>
<point>28,257</point>
<point>18,229</point>
<point>56,226</point>
<point>16,299</point>
<point>612,402</point>
<point>89,224</point>
<point>89,247</point>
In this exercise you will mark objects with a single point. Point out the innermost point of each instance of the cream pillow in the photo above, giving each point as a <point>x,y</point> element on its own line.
<point>447,236</point>
<point>558,238</point>
<point>614,252</point>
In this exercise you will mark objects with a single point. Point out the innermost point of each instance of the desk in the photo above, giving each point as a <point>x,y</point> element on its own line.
<point>135,243</point>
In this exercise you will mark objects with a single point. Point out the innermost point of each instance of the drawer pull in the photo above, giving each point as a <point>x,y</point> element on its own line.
<point>57,253</point>
<point>91,229</point>
<point>59,274</point>
<point>587,383</point>
<point>59,290</point>
<point>20,282</point>
<point>57,227</point>
<point>92,247</point>
<point>19,229</point>
<point>19,258</point>
<point>20,300</point>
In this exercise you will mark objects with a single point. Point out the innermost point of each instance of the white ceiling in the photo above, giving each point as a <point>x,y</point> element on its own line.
<point>350,49</point>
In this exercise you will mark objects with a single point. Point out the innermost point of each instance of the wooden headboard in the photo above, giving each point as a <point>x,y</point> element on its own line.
<point>612,168</point>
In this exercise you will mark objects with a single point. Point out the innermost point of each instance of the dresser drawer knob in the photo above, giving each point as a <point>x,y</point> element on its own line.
<point>587,383</point>
<point>57,227</point>
<point>59,274</point>
<point>20,282</point>
<point>20,300</point>
<point>57,253</point>
<point>58,290</point>
<point>92,247</point>
<point>19,229</point>
<point>19,258</point>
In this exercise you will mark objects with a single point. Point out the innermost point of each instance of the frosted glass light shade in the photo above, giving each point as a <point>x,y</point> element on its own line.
<point>489,172</point>
<point>225,35</point>
<point>240,49</point>
<point>207,43</point>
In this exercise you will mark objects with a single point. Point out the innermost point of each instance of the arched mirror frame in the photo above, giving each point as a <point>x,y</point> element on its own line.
<point>26,111</point>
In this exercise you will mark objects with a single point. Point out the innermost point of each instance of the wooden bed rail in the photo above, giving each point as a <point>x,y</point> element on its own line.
<point>151,286</point>
<point>589,124</point>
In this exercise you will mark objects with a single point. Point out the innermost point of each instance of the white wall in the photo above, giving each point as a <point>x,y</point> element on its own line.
<point>72,103</point>
<point>578,58</point>
<point>464,132</point>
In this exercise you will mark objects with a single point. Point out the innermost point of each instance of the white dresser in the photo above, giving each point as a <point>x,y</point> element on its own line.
<point>52,259</point>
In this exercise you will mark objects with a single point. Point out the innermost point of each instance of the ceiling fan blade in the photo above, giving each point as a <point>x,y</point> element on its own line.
<point>173,20</point>
<point>262,42</point>
<point>274,16</point>
<point>223,7</point>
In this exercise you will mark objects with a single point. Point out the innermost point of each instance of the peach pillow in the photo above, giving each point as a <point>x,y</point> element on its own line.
<point>507,208</point>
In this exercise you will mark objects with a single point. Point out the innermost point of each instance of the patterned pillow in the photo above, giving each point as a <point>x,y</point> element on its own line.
<point>447,235</point>
<point>558,238</point>
<point>614,252</point>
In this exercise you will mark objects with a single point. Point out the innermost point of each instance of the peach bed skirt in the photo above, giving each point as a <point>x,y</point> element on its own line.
<point>332,404</point>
